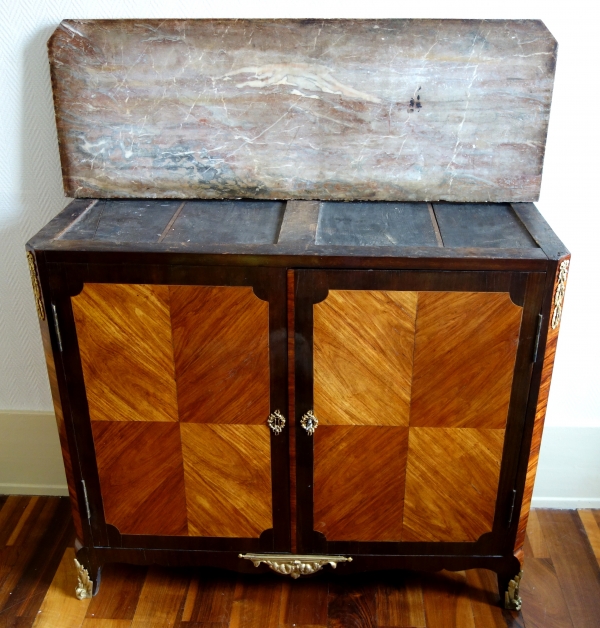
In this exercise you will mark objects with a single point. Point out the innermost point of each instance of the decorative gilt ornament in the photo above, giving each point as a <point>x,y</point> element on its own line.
<point>309,422</point>
<point>512,600</point>
<point>84,584</point>
<point>559,295</point>
<point>35,284</point>
<point>276,422</point>
<point>294,565</point>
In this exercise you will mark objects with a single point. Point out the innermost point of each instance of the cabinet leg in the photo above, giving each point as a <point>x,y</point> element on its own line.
<point>508,588</point>
<point>88,576</point>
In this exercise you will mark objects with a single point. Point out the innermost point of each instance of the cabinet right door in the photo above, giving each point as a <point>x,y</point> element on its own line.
<point>418,385</point>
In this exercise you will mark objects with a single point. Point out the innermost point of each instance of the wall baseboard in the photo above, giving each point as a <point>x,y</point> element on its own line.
<point>31,462</point>
<point>565,503</point>
<point>30,457</point>
<point>568,473</point>
<point>33,489</point>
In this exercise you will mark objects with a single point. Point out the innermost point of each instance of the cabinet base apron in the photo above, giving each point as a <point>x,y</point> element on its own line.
<point>90,561</point>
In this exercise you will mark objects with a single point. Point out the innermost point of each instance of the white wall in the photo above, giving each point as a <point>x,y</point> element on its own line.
<point>31,193</point>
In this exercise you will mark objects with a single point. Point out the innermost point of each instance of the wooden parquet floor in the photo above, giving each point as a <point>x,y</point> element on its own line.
<point>561,586</point>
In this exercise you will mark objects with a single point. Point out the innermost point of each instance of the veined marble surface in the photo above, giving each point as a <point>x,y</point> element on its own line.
<point>405,110</point>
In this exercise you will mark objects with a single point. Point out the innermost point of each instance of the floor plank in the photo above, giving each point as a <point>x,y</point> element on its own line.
<point>447,604</point>
<point>560,587</point>
<point>544,605</point>
<point>162,598</point>
<point>209,599</point>
<point>94,622</point>
<point>119,593</point>
<point>27,569</point>
<point>256,602</point>
<point>304,603</point>
<point>399,601</point>
<point>535,536</point>
<point>22,521</point>
<point>574,563</point>
<point>10,514</point>
<point>201,624</point>
<point>485,601</point>
<point>60,606</point>
<point>352,603</point>
<point>592,530</point>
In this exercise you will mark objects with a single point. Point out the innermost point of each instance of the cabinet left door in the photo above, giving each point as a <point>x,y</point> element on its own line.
<point>173,374</point>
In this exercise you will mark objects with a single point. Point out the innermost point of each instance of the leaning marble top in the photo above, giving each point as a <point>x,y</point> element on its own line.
<point>392,110</point>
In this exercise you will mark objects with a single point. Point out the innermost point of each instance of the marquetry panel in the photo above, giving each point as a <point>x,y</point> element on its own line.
<point>221,342</point>
<point>465,350</point>
<point>451,483</point>
<point>359,482</point>
<point>227,479</point>
<point>363,349</point>
<point>141,476</point>
<point>540,413</point>
<point>124,336</point>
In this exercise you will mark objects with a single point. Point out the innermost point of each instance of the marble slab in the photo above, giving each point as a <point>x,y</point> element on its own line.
<point>394,110</point>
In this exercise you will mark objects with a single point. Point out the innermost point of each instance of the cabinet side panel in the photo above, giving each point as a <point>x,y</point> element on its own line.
<point>465,350</point>
<point>227,479</point>
<point>124,336</point>
<point>359,482</point>
<point>540,412</point>
<point>451,483</point>
<point>60,423</point>
<point>221,338</point>
<point>141,476</point>
<point>363,353</point>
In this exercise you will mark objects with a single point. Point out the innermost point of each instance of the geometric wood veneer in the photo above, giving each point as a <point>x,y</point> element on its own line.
<point>227,479</point>
<point>221,345</point>
<point>451,483</point>
<point>194,356</point>
<point>359,481</point>
<point>141,476</point>
<point>124,336</point>
<point>363,351</point>
<point>439,363</point>
<point>465,350</point>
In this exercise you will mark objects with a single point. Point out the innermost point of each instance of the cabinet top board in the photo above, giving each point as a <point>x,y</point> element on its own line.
<point>299,233</point>
<point>393,110</point>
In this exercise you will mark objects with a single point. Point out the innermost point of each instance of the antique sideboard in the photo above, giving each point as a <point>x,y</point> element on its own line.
<point>250,373</point>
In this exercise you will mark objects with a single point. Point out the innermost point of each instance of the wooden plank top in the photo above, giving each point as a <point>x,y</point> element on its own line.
<point>393,110</point>
<point>322,225</point>
<point>297,233</point>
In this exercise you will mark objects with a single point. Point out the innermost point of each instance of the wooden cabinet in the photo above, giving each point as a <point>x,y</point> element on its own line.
<point>294,391</point>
